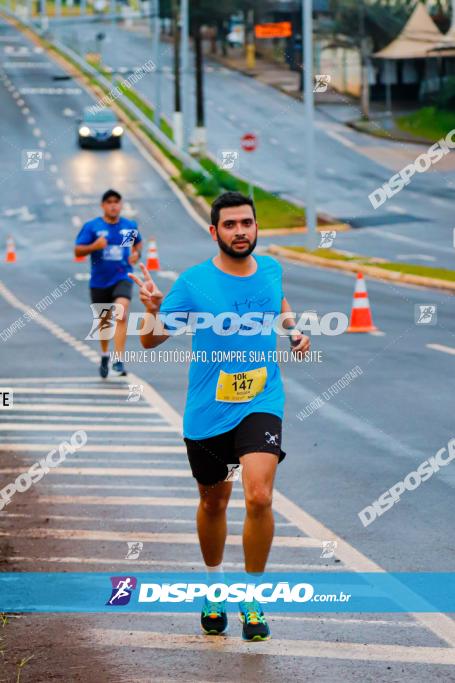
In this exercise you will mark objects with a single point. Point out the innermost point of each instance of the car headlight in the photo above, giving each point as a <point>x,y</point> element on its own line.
<point>117,131</point>
<point>84,131</point>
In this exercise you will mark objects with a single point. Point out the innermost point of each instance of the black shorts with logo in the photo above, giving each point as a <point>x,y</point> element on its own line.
<point>107,295</point>
<point>209,458</point>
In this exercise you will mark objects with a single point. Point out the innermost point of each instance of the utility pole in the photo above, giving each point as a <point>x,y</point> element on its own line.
<point>177,117</point>
<point>156,29</point>
<point>184,62</point>
<point>200,135</point>
<point>310,202</point>
<point>365,86</point>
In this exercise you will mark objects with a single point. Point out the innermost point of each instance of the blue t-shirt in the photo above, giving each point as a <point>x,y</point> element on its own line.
<point>206,288</point>
<point>110,265</point>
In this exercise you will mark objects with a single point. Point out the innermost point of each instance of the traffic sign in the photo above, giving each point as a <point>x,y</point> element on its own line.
<point>279,29</point>
<point>249,142</point>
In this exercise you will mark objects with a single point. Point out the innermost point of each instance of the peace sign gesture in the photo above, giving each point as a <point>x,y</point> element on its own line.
<point>149,293</point>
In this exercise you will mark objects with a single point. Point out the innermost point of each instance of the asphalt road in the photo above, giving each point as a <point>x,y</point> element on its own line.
<point>416,225</point>
<point>341,458</point>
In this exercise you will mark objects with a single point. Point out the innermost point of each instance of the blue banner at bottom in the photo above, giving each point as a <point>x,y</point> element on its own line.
<point>186,592</point>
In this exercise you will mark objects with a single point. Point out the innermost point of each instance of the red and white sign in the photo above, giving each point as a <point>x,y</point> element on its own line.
<point>249,142</point>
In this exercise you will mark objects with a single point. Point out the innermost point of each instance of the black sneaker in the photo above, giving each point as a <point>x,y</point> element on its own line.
<point>119,368</point>
<point>104,366</point>
<point>255,626</point>
<point>214,618</point>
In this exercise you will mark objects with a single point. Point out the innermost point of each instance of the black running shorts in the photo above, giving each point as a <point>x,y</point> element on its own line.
<point>107,295</point>
<point>209,458</point>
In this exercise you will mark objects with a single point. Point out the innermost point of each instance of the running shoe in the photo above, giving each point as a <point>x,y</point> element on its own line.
<point>255,626</point>
<point>214,618</point>
<point>119,368</point>
<point>104,366</point>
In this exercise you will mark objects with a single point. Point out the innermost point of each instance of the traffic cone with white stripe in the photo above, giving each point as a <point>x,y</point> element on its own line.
<point>153,262</point>
<point>361,320</point>
<point>10,256</point>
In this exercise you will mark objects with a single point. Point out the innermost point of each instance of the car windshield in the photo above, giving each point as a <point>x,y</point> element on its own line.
<point>103,116</point>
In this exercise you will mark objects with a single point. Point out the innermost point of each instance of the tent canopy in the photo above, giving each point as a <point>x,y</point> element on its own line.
<point>419,36</point>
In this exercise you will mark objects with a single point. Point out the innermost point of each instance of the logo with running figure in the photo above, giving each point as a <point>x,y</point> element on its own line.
<point>128,237</point>
<point>272,439</point>
<point>122,587</point>
<point>104,322</point>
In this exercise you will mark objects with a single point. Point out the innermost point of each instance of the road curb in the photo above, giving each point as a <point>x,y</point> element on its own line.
<point>371,271</point>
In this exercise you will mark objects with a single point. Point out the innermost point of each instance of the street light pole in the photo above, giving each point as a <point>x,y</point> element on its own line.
<point>184,64</point>
<point>307,35</point>
<point>157,59</point>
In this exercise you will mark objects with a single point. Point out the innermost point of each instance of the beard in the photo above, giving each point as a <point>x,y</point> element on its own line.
<point>232,252</point>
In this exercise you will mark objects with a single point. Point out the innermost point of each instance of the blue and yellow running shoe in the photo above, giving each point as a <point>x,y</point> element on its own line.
<point>214,618</point>
<point>255,626</point>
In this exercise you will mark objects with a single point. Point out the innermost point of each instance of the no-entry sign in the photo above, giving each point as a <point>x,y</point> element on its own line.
<point>249,142</point>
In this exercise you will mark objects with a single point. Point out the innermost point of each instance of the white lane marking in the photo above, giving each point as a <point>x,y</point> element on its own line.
<point>66,390</point>
<point>273,566</point>
<point>77,222</point>
<point>80,408</point>
<point>60,183</point>
<point>395,209</point>
<point>36,132</point>
<point>20,103</point>
<point>82,276</point>
<point>273,141</point>
<point>68,427</point>
<point>340,138</point>
<point>113,471</point>
<point>67,200</point>
<point>53,168</point>
<point>119,638</point>
<point>416,257</point>
<point>16,95</point>
<point>42,143</point>
<point>78,381</point>
<point>31,120</point>
<point>28,65</point>
<point>441,347</point>
<point>128,501</point>
<point>168,274</point>
<point>51,91</point>
<point>26,111</point>
<point>98,448</point>
<point>181,538</point>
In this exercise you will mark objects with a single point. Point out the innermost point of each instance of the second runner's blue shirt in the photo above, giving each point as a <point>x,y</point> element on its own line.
<point>206,288</point>
<point>110,265</point>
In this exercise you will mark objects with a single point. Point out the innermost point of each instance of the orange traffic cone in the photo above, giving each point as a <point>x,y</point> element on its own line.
<point>10,251</point>
<point>361,320</point>
<point>153,262</point>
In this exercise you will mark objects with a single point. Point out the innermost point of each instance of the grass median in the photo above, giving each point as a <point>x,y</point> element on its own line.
<point>408,268</point>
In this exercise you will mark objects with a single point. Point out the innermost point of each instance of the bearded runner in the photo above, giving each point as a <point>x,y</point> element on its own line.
<point>234,408</point>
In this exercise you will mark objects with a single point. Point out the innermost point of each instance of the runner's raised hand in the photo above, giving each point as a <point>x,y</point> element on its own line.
<point>149,293</point>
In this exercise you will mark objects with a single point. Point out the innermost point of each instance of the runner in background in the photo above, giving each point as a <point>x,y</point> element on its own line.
<point>114,244</point>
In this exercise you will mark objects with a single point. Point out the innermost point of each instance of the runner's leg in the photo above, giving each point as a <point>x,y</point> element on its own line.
<point>120,330</point>
<point>211,521</point>
<point>258,474</point>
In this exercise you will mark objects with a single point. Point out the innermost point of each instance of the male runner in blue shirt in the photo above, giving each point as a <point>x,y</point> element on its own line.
<point>114,244</point>
<point>234,408</point>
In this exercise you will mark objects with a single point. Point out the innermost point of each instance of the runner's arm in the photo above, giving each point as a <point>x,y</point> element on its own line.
<point>299,342</point>
<point>85,249</point>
